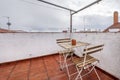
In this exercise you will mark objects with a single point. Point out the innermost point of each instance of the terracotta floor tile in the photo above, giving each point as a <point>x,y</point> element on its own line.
<point>43,68</point>
<point>4,78</point>
<point>19,76</point>
<point>5,70</point>
<point>59,77</point>
<point>38,76</point>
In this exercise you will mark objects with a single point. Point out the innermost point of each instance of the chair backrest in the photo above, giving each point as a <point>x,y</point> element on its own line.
<point>93,49</point>
<point>64,40</point>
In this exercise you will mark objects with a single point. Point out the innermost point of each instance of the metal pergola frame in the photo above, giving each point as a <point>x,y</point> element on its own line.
<point>72,12</point>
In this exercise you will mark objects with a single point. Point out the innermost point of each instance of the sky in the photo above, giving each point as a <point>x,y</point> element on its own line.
<point>35,16</point>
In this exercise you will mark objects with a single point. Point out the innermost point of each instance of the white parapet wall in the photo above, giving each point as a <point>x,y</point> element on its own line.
<point>110,56</point>
<point>18,46</point>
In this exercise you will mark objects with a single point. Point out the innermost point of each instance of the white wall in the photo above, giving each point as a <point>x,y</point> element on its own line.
<point>110,56</point>
<point>17,46</point>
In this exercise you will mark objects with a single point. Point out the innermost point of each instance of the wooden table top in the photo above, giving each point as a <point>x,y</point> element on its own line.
<point>68,45</point>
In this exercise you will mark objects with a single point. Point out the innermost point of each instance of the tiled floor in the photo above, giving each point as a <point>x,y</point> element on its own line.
<point>43,68</point>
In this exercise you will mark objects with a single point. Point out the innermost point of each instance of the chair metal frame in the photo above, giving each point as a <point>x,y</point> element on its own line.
<point>66,54</point>
<point>86,63</point>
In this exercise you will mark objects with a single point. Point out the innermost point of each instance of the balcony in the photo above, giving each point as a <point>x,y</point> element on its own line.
<point>40,51</point>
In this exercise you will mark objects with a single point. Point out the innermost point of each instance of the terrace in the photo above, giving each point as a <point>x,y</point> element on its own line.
<point>32,46</point>
<point>34,55</point>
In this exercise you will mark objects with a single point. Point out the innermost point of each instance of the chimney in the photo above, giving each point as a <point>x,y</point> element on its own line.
<point>115,17</point>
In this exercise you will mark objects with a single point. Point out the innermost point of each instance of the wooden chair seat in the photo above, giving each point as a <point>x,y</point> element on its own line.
<point>87,61</point>
<point>80,60</point>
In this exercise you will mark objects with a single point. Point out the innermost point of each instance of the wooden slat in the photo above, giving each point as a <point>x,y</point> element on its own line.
<point>89,59</point>
<point>63,40</point>
<point>79,61</point>
<point>93,50</point>
<point>93,47</point>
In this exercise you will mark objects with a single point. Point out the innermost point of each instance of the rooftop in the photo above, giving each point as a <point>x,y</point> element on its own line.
<point>116,24</point>
<point>6,30</point>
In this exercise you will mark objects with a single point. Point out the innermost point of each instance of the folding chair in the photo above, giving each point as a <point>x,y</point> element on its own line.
<point>87,62</point>
<point>63,54</point>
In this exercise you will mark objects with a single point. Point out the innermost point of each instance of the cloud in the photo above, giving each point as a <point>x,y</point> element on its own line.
<point>92,21</point>
<point>37,16</point>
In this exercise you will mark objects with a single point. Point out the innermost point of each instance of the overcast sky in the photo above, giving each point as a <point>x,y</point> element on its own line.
<point>33,15</point>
